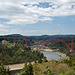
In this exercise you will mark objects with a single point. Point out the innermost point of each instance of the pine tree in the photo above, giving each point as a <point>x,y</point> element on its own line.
<point>30,69</point>
<point>27,70</point>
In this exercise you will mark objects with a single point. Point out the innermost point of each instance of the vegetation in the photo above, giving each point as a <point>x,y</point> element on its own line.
<point>4,71</point>
<point>62,48</point>
<point>53,68</point>
<point>27,70</point>
<point>47,71</point>
<point>70,62</point>
<point>12,54</point>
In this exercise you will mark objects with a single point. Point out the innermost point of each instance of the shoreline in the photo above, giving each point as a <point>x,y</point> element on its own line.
<point>62,55</point>
<point>57,52</point>
<point>49,50</point>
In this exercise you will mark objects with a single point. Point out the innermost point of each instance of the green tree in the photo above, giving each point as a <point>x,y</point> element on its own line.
<point>30,69</point>
<point>44,59</point>
<point>40,60</point>
<point>4,71</point>
<point>27,70</point>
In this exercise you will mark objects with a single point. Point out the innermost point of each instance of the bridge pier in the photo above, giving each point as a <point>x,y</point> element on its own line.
<point>72,44</point>
<point>37,44</point>
<point>4,40</point>
<point>15,40</point>
<point>26,42</point>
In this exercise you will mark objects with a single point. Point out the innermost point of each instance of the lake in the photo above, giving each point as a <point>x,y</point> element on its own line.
<point>51,55</point>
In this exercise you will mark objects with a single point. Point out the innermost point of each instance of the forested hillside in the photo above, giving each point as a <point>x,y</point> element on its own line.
<point>12,54</point>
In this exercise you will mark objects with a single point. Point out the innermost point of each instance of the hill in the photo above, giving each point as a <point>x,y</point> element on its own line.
<point>15,35</point>
<point>19,35</point>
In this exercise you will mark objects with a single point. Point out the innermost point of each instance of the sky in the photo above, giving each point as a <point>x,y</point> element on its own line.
<point>37,17</point>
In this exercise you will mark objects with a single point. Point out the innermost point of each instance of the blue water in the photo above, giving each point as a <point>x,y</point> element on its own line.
<point>51,55</point>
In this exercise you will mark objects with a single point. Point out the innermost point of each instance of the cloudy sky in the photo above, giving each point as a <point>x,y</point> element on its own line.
<point>37,17</point>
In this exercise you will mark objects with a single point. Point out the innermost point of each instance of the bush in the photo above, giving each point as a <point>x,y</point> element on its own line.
<point>47,71</point>
<point>4,71</point>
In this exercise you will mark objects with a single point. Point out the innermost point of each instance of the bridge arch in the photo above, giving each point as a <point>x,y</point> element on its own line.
<point>61,40</point>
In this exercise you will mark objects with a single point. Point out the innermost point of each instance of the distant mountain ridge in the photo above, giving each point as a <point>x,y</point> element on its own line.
<point>19,35</point>
<point>58,35</point>
<point>15,35</point>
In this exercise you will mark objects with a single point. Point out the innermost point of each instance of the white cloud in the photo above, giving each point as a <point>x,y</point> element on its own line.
<point>27,32</point>
<point>46,19</point>
<point>3,30</point>
<point>3,26</point>
<point>18,14</point>
<point>64,0</point>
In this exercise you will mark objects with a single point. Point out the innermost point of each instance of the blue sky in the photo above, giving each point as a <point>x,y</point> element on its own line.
<point>37,17</point>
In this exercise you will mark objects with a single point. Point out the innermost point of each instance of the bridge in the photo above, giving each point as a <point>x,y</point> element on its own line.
<point>48,39</point>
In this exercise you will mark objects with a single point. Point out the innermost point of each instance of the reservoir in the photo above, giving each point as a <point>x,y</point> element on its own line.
<point>49,55</point>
